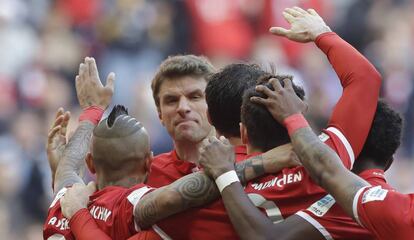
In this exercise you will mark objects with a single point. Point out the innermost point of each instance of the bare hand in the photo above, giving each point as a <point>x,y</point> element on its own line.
<point>305,25</point>
<point>76,198</point>
<point>89,87</point>
<point>282,102</point>
<point>217,156</point>
<point>279,158</point>
<point>56,139</point>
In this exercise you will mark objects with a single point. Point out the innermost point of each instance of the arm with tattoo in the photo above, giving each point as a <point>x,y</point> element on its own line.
<point>73,156</point>
<point>326,169</point>
<point>198,189</point>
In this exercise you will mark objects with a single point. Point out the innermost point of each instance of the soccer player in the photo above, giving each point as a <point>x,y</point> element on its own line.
<point>284,194</point>
<point>388,214</point>
<point>120,158</point>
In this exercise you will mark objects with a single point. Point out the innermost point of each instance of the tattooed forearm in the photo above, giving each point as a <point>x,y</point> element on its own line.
<point>73,156</point>
<point>317,157</point>
<point>193,190</point>
<point>250,168</point>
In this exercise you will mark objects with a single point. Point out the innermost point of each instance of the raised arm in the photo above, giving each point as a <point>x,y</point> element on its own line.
<point>360,80</point>
<point>93,98</point>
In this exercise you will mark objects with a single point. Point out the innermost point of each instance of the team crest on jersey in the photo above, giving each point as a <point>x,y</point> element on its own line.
<point>374,194</point>
<point>322,206</point>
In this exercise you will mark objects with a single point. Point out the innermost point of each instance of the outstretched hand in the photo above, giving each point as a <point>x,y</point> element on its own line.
<point>89,88</point>
<point>56,139</point>
<point>281,102</point>
<point>216,156</point>
<point>305,25</point>
<point>76,198</point>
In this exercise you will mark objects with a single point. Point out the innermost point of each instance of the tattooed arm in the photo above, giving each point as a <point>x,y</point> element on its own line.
<point>90,93</point>
<point>198,189</point>
<point>326,169</point>
<point>73,156</point>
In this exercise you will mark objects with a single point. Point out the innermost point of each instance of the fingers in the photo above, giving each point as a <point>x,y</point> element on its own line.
<point>91,188</point>
<point>52,134</point>
<point>288,84</point>
<point>265,90</point>
<point>93,69</point>
<point>279,31</point>
<point>276,84</point>
<point>293,12</point>
<point>300,10</point>
<point>110,80</point>
<point>288,17</point>
<point>65,122</point>
<point>259,100</point>
<point>224,140</point>
<point>313,12</point>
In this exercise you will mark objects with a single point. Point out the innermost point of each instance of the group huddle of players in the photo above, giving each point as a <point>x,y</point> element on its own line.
<point>267,176</point>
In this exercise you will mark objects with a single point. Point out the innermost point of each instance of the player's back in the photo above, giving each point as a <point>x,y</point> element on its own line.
<point>111,207</point>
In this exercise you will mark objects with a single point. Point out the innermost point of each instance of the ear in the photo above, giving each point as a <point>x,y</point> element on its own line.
<point>243,134</point>
<point>389,163</point>
<point>208,117</point>
<point>148,162</point>
<point>160,115</point>
<point>89,163</point>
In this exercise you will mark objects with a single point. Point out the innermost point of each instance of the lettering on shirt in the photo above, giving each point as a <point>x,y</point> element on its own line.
<point>100,213</point>
<point>279,181</point>
<point>62,223</point>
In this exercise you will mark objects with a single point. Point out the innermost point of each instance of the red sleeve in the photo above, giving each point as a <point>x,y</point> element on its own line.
<point>84,227</point>
<point>361,82</point>
<point>386,213</point>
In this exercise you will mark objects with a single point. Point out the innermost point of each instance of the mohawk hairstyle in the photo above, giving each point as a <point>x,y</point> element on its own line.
<point>117,110</point>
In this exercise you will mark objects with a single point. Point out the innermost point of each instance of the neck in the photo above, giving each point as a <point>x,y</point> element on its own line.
<point>126,181</point>
<point>187,151</point>
<point>250,149</point>
<point>362,164</point>
<point>235,141</point>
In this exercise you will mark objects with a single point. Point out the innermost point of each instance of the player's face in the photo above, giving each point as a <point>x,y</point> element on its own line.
<point>183,108</point>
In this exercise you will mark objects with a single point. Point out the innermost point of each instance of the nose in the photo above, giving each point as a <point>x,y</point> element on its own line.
<point>183,106</point>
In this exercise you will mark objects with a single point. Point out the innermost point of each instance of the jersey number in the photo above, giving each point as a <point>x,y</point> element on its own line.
<point>272,211</point>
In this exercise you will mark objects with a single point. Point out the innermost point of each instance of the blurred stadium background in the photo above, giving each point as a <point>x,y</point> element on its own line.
<point>42,43</point>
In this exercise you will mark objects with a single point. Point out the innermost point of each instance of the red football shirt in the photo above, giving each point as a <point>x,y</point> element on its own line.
<point>387,214</point>
<point>111,207</point>
<point>332,222</point>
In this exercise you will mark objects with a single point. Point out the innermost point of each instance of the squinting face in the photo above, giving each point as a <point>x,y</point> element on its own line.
<point>183,108</point>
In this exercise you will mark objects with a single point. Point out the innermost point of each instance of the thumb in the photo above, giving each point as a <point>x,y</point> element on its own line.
<point>279,31</point>
<point>91,187</point>
<point>110,80</point>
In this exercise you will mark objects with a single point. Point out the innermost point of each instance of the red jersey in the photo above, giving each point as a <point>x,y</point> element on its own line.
<point>283,194</point>
<point>332,222</point>
<point>112,208</point>
<point>386,213</point>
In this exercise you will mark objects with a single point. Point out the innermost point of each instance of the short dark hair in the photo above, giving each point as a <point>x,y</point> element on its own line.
<point>384,137</point>
<point>224,94</point>
<point>263,130</point>
<point>117,110</point>
<point>179,66</point>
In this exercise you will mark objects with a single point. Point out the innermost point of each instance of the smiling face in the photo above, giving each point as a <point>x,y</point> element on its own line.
<point>183,108</point>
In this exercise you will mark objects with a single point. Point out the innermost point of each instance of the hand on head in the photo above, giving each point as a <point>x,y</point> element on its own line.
<point>281,102</point>
<point>305,25</point>
<point>216,156</point>
<point>89,88</point>
<point>76,198</point>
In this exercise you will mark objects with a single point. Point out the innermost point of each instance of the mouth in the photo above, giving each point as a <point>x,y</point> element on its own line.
<point>185,121</point>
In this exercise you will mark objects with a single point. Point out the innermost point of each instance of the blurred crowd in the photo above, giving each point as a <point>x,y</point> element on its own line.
<point>42,43</point>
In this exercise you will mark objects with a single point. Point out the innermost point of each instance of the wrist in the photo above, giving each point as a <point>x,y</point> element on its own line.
<point>226,179</point>
<point>320,32</point>
<point>221,171</point>
<point>295,122</point>
<point>92,114</point>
